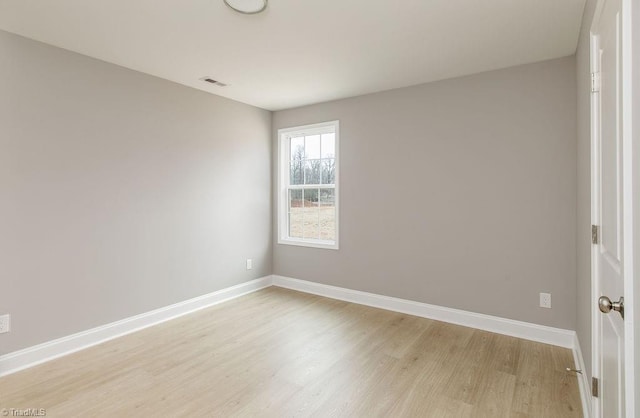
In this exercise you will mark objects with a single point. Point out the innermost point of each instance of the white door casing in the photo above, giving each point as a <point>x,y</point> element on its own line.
<point>612,257</point>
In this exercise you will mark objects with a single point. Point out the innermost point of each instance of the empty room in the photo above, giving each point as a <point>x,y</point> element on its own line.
<point>296,208</point>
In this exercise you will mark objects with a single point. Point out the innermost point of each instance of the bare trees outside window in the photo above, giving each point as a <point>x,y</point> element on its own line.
<point>311,184</point>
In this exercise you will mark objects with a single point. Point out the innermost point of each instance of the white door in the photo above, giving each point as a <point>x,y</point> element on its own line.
<point>610,196</point>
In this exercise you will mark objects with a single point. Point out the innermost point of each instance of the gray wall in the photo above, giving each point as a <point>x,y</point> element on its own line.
<point>460,193</point>
<point>120,192</point>
<point>583,243</point>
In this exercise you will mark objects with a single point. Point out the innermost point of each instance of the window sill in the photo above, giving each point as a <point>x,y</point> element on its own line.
<point>327,245</point>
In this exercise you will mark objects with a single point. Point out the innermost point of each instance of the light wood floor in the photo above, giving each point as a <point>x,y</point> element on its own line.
<point>282,353</point>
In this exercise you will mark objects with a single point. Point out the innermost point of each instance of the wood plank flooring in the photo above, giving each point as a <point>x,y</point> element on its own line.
<point>280,353</point>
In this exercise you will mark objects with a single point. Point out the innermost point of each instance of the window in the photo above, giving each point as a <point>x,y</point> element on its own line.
<point>308,185</point>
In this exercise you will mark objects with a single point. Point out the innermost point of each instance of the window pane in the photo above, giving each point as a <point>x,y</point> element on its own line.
<point>328,146</point>
<point>328,168</point>
<point>327,197</point>
<point>311,222</point>
<point>327,224</point>
<point>295,213</point>
<point>296,172</point>
<point>295,199</point>
<point>310,198</point>
<point>296,165</point>
<point>312,147</point>
<point>297,148</point>
<point>312,172</point>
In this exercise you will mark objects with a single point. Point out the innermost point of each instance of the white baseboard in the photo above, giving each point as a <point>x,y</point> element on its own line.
<point>31,356</point>
<point>540,333</point>
<point>583,380</point>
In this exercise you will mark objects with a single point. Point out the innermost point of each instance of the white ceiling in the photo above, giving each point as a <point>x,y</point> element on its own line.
<point>300,52</point>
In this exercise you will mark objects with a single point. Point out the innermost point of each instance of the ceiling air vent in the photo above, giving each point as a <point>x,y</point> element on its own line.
<point>212,81</point>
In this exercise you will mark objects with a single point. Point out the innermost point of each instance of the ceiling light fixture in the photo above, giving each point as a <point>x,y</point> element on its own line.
<point>247,7</point>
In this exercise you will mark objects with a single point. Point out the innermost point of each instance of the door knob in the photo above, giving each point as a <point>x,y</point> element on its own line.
<point>606,306</point>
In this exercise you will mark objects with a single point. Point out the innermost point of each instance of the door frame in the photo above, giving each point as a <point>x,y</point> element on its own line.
<point>631,235</point>
<point>634,33</point>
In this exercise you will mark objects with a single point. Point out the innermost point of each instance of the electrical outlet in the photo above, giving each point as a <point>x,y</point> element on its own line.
<point>4,324</point>
<point>249,264</point>
<point>545,300</point>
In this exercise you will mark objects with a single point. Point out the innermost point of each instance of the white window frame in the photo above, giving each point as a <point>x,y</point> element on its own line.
<point>284,144</point>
